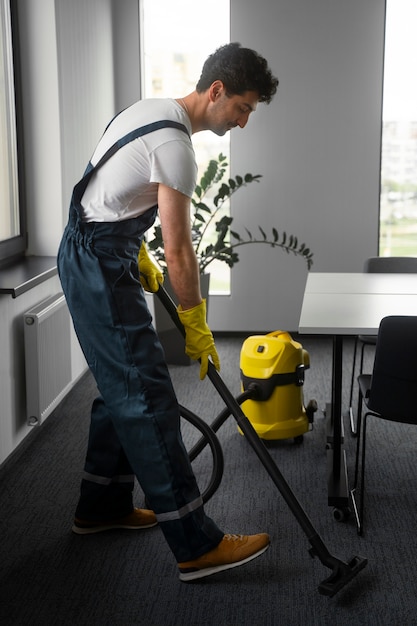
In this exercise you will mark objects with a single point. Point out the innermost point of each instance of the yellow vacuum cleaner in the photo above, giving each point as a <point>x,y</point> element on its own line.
<point>272,367</point>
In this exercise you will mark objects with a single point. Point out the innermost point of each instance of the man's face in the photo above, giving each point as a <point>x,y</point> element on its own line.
<point>227,112</point>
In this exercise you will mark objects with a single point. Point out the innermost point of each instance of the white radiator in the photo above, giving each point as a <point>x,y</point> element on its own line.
<point>47,357</point>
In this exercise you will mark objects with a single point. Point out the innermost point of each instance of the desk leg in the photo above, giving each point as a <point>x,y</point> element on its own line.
<point>338,492</point>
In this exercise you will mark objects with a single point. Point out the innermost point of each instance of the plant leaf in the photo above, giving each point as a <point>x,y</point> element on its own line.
<point>202,206</point>
<point>235,235</point>
<point>262,233</point>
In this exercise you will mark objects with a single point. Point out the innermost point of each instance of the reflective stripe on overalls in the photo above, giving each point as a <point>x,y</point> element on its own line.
<point>134,426</point>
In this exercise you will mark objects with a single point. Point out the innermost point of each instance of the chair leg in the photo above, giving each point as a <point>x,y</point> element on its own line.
<point>362,493</point>
<point>358,443</point>
<point>362,358</point>
<point>358,510</point>
<point>353,426</point>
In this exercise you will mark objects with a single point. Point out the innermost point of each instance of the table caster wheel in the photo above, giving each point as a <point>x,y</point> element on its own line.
<point>341,514</point>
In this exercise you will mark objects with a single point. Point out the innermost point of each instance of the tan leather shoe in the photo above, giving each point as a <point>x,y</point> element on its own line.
<point>232,551</point>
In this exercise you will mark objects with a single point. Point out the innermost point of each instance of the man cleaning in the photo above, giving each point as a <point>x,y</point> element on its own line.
<point>144,165</point>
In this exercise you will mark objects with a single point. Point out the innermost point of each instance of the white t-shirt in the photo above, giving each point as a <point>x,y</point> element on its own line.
<point>126,185</point>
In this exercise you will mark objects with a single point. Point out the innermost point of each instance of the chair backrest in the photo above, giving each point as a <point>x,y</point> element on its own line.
<point>393,391</point>
<point>391,265</point>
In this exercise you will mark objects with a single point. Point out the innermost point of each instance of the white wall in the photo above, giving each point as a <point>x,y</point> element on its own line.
<point>317,145</point>
<point>86,84</point>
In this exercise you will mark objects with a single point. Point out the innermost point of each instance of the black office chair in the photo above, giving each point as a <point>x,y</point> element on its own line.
<point>390,393</point>
<point>376,265</point>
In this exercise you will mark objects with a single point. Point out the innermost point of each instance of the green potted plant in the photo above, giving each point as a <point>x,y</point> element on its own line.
<point>214,240</point>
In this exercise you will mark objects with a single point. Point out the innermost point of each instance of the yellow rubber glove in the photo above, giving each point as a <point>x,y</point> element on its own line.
<point>199,341</point>
<point>149,273</point>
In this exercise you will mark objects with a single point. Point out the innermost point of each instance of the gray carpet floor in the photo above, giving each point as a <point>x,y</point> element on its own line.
<point>49,576</point>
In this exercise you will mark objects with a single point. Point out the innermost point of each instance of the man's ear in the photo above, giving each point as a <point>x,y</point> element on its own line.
<point>215,90</point>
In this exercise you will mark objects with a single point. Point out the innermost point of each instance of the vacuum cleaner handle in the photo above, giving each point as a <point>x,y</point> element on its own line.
<point>170,307</point>
<point>342,572</point>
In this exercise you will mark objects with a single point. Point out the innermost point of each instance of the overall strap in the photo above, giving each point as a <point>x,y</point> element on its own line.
<point>81,186</point>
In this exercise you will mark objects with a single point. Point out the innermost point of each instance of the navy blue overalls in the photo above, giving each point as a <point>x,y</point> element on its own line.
<point>135,421</point>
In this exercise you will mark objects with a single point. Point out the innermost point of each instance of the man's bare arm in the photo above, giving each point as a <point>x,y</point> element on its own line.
<point>183,270</point>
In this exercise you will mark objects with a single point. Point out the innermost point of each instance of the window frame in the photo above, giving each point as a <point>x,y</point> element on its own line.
<point>15,247</point>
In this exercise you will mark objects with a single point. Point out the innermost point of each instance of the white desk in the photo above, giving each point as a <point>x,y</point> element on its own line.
<point>339,282</point>
<point>340,304</point>
<point>353,304</point>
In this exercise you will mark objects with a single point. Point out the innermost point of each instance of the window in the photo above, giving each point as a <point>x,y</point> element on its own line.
<point>177,38</point>
<point>398,206</point>
<point>12,223</point>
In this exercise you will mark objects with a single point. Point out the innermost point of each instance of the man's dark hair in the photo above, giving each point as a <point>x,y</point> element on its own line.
<point>239,69</point>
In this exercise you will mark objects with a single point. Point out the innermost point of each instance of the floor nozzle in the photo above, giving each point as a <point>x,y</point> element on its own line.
<point>341,575</point>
